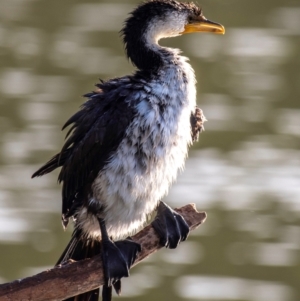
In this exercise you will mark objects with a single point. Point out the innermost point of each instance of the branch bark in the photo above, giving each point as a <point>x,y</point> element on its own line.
<point>78,277</point>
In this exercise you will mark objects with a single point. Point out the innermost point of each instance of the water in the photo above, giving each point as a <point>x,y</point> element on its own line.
<point>244,172</point>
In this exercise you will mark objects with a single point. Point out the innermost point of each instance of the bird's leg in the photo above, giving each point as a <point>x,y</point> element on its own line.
<point>117,259</point>
<point>170,226</point>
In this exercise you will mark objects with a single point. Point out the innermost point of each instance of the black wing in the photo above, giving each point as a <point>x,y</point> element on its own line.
<point>197,121</point>
<point>96,131</point>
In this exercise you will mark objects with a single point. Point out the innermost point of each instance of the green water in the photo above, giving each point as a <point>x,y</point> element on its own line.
<point>244,172</point>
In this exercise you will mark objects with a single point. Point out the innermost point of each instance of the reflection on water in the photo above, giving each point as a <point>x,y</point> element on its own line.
<point>244,171</point>
<point>221,288</point>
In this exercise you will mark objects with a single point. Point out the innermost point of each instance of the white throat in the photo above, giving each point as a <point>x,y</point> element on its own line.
<point>159,29</point>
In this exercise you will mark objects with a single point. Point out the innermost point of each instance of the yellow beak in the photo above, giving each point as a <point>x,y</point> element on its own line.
<point>204,25</point>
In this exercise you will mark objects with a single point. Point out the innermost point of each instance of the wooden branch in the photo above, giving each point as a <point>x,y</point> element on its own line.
<point>78,277</point>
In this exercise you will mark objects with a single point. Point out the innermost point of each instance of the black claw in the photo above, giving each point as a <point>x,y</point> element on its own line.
<point>129,250</point>
<point>117,287</point>
<point>183,226</point>
<point>170,226</point>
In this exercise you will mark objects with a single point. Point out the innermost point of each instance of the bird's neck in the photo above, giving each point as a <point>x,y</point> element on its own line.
<point>148,55</point>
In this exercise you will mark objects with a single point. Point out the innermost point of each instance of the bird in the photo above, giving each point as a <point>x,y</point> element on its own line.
<point>127,143</point>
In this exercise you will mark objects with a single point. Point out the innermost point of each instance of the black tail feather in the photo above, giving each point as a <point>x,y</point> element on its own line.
<point>55,162</point>
<point>79,249</point>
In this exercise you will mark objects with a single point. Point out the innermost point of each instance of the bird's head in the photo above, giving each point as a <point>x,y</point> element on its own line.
<point>157,19</point>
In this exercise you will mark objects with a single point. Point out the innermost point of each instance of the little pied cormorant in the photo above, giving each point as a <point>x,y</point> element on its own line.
<point>128,142</point>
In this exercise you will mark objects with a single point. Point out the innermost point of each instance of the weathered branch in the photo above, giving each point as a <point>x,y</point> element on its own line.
<point>82,276</point>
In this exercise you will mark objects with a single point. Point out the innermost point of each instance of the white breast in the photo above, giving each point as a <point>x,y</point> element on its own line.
<point>148,159</point>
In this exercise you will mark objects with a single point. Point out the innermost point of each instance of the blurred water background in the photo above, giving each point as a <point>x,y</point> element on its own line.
<point>244,172</point>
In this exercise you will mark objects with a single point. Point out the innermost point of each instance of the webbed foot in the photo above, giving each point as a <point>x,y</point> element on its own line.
<point>170,226</point>
<point>117,259</point>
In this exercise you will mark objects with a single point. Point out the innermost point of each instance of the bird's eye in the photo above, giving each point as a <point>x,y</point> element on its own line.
<point>190,19</point>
